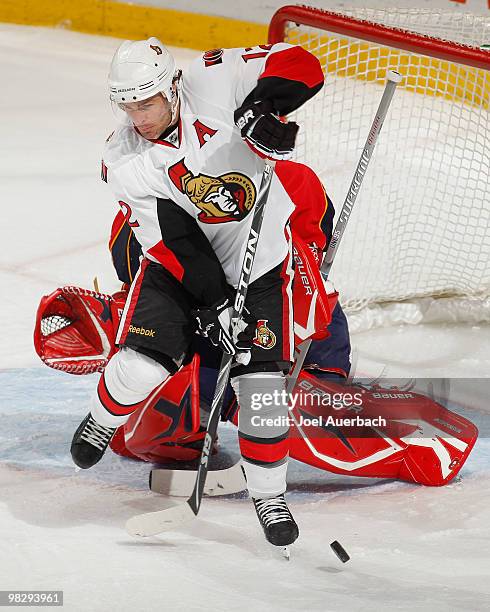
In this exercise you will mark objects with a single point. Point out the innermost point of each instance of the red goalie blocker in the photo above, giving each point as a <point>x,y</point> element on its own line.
<point>313,307</point>
<point>376,432</point>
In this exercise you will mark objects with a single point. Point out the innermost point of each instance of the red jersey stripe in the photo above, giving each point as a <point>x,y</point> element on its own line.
<point>131,302</point>
<point>168,260</point>
<point>264,453</point>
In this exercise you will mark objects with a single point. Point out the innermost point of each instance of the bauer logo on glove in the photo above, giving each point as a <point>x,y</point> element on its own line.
<point>264,132</point>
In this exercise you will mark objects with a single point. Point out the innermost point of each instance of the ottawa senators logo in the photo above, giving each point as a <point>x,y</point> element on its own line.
<point>264,336</point>
<point>213,57</point>
<point>228,197</point>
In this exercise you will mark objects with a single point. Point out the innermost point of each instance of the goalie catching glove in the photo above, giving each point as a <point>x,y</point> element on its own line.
<point>214,324</point>
<point>264,131</point>
<point>75,329</point>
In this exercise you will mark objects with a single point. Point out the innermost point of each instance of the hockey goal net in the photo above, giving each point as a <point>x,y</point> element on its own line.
<point>420,231</point>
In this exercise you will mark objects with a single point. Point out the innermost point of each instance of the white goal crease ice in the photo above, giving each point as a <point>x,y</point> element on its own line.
<point>417,247</point>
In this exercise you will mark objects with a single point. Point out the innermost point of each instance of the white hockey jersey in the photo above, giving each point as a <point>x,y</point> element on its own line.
<point>204,167</point>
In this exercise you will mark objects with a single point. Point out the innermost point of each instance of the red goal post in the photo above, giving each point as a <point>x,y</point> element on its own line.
<point>419,236</point>
<point>376,33</point>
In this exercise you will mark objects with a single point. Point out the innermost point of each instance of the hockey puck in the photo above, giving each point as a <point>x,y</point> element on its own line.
<point>340,551</point>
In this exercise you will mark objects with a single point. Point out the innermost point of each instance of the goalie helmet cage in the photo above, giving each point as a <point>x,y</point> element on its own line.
<point>418,243</point>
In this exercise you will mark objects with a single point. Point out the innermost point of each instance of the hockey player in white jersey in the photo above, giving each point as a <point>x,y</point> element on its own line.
<point>185,164</point>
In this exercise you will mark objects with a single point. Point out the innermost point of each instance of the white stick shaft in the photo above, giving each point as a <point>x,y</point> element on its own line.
<point>393,79</point>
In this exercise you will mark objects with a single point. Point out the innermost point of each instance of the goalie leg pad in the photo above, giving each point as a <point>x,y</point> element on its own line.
<point>263,431</point>
<point>421,441</point>
<point>167,427</point>
<point>128,380</point>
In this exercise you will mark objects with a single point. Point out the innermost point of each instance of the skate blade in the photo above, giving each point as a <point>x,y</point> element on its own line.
<point>284,551</point>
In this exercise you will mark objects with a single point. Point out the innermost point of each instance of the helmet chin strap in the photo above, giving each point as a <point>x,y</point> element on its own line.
<point>175,112</point>
<point>175,96</point>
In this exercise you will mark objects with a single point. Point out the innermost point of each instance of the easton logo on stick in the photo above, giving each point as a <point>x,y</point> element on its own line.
<point>248,262</point>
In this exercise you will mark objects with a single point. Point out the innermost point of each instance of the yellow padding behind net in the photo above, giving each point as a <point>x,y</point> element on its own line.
<point>424,75</point>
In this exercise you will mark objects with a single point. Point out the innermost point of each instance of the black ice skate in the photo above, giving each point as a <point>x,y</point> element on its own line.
<point>89,442</point>
<point>277,522</point>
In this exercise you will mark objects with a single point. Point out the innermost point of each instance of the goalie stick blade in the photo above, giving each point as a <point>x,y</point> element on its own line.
<point>180,483</point>
<point>153,523</point>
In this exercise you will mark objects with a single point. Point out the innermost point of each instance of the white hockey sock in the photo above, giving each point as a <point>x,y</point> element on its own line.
<point>129,379</point>
<point>263,481</point>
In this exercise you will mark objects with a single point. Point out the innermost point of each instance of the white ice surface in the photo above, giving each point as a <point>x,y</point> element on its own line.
<point>412,548</point>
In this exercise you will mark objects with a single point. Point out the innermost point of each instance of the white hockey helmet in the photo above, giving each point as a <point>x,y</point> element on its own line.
<point>139,70</point>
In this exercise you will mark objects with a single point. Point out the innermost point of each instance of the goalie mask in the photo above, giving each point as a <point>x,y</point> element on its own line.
<point>144,86</point>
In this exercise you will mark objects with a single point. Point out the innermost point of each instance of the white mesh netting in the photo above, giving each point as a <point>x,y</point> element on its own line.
<point>420,227</point>
<point>449,25</point>
<point>53,323</point>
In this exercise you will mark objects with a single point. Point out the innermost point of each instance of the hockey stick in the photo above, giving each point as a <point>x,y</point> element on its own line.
<point>180,482</point>
<point>394,78</point>
<point>152,523</point>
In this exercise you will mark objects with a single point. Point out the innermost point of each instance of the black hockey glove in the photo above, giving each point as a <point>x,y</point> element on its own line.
<point>214,324</point>
<point>264,131</point>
